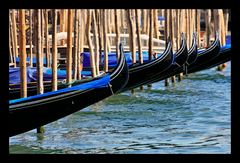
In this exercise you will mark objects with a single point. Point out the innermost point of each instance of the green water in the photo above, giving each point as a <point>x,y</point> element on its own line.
<point>192,116</point>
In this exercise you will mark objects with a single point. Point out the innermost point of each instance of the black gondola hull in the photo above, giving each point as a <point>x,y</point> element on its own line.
<point>223,56</point>
<point>180,59</point>
<point>32,113</point>
<point>143,72</point>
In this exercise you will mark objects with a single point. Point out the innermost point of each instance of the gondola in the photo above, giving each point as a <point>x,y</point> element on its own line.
<point>180,58</point>
<point>139,73</point>
<point>192,52</point>
<point>199,60</point>
<point>14,80</point>
<point>29,113</point>
<point>223,56</point>
<point>179,68</point>
<point>205,56</point>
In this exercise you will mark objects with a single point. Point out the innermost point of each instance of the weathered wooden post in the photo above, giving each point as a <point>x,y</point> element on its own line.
<point>92,58</point>
<point>98,14</point>
<point>108,16</point>
<point>208,26</point>
<point>54,50</point>
<point>12,56</point>
<point>80,44</point>
<point>138,20</point>
<point>147,21</point>
<point>222,27</point>
<point>47,48</point>
<point>9,43</point>
<point>198,27</point>
<point>104,17</point>
<point>150,43</point>
<point>184,28</point>
<point>122,20</point>
<point>171,34</point>
<point>23,57</point>
<point>117,38</point>
<point>166,16</point>
<point>222,30</point>
<point>193,24</point>
<point>15,42</point>
<point>113,21</point>
<point>69,47</point>
<point>39,57</point>
<point>75,44</point>
<point>144,27</point>
<point>30,38</point>
<point>132,35</point>
<point>66,21</point>
<point>189,34</point>
<point>177,28</point>
<point>155,15</point>
<point>42,32</point>
<point>35,31</point>
<point>62,23</point>
<point>226,17</point>
<point>96,43</point>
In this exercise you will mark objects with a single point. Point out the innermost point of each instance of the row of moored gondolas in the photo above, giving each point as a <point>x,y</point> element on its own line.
<point>37,110</point>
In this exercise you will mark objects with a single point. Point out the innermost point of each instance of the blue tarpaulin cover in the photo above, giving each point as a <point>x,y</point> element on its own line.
<point>112,58</point>
<point>102,82</point>
<point>14,74</point>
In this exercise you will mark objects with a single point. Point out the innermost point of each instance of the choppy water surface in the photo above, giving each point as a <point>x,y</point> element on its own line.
<point>192,116</point>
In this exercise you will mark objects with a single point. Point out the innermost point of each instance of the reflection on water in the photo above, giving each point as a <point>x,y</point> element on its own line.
<point>192,116</point>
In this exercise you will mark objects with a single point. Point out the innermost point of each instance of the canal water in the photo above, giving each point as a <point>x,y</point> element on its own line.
<point>193,116</point>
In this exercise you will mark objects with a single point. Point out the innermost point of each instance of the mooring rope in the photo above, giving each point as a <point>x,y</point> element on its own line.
<point>110,86</point>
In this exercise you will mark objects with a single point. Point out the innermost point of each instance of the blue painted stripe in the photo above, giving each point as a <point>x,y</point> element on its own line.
<point>102,82</point>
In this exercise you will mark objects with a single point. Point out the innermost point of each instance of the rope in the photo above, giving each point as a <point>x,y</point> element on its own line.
<point>185,69</point>
<point>110,86</point>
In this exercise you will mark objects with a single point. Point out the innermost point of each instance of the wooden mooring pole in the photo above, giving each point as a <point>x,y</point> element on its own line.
<point>150,42</point>
<point>69,47</point>
<point>166,15</point>
<point>31,37</point>
<point>14,26</point>
<point>117,39</point>
<point>80,44</point>
<point>47,47</point>
<point>54,50</point>
<point>138,20</point>
<point>42,33</point>
<point>23,55</point>
<point>98,13</point>
<point>208,27</point>
<point>104,17</point>
<point>223,31</point>
<point>75,46</point>
<point>132,35</point>
<point>92,57</point>
<point>198,28</point>
<point>39,57</point>
<point>184,28</point>
<point>96,42</point>
<point>11,45</point>
<point>171,33</point>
